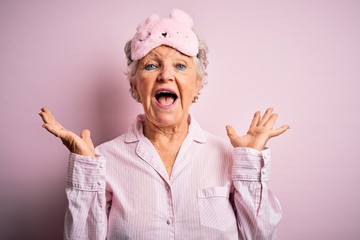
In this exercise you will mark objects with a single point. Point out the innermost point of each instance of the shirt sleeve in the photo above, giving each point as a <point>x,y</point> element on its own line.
<point>85,216</point>
<point>258,210</point>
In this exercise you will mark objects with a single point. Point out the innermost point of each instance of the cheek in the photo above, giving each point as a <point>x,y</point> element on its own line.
<point>190,92</point>
<point>144,91</point>
<point>141,86</point>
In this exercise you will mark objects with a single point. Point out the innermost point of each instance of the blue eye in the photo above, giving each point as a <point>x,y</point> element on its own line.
<point>180,67</point>
<point>150,66</point>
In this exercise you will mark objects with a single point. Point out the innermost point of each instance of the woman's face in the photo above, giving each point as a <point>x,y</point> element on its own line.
<point>166,82</point>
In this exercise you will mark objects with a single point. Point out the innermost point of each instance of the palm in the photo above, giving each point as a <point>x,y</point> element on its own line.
<point>81,145</point>
<point>260,131</point>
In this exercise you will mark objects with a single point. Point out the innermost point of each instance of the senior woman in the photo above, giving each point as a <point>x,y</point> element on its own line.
<point>166,178</point>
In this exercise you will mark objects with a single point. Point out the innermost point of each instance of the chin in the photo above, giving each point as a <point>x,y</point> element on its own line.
<point>166,119</point>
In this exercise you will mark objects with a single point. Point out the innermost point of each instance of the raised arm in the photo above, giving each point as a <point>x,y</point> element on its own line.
<point>258,210</point>
<point>260,131</point>
<point>81,145</point>
<point>85,216</point>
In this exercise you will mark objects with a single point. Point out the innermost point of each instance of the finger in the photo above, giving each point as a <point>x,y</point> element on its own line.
<point>279,131</point>
<point>45,112</point>
<point>48,118</point>
<point>271,121</point>
<point>46,115</point>
<point>255,120</point>
<point>231,132</point>
<point>45,109</point>
<point>58,132</point>
<point>85,135</point>
<point>51,125</point>
<point>266,116</point>
<point>89,149</point>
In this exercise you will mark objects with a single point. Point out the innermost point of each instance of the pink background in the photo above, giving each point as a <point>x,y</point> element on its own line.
<point>301,57</point>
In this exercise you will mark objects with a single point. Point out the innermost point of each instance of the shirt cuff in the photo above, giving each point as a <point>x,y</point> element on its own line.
<point>251,165</point>
<point>86,173</point>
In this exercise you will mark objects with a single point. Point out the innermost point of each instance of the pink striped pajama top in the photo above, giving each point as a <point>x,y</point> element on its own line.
<point>214,191</point>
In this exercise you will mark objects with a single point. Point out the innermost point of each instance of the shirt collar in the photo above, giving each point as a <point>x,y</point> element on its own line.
<point>135,132</point>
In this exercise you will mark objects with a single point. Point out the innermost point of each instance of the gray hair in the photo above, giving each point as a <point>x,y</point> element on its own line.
<point>200,61</point>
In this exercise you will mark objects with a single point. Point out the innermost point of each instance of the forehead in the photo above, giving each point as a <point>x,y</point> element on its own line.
<point>164,52</point>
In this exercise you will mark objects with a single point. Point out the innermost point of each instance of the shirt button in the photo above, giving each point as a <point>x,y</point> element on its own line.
<point>99,183</point>
<point>101,165</point>
<point>168,222</point>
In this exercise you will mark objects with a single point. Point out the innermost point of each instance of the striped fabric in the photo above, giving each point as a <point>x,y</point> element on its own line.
<point>214,191</point>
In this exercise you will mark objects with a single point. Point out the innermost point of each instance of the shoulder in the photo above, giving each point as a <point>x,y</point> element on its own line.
<point>125,140</point>
<point>209,140</point>
<point>215,154</point>
<point>115,143</point>
<point>217,142</point>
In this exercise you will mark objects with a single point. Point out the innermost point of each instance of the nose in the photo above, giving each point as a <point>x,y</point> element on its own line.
<point>166,73</point>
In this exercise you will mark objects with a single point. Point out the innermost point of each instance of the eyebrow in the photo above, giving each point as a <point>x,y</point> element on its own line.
<point>153,56</point>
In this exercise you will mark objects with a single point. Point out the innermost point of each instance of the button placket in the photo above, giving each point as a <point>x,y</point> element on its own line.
<point>170,218</point>
<point>101,165</point>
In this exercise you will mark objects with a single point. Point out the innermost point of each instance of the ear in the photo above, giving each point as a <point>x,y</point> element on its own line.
<point>134,93</point>
<point>151,19</point>
<point>199,85</point>
<point>182,17</point>
<point>133,87</point>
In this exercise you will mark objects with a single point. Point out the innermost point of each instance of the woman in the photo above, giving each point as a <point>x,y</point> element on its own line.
<point>166,178</point>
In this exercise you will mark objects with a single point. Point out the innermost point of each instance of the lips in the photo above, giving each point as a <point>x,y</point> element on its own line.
<point>165,97</point>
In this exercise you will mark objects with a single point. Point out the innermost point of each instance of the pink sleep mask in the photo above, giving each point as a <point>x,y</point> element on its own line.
<point>174,32</point>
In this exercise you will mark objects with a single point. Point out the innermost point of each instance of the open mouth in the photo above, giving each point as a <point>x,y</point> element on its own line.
<point>165,97</point>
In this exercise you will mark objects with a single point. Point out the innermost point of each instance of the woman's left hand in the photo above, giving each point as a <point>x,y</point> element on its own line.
<point>260,131</point>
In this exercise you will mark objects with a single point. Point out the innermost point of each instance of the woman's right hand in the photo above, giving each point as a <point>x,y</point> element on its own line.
<point>81,145</point>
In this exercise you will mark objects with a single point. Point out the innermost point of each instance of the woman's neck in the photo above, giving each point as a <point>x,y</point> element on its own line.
<point>160,135</point>
<point>167,141</point>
